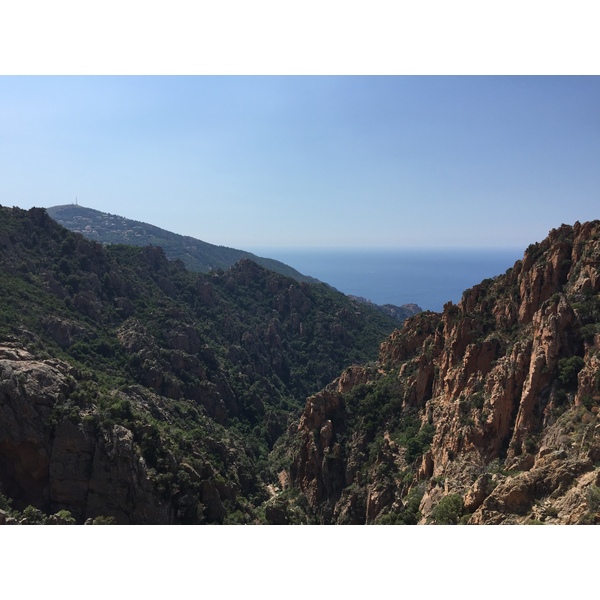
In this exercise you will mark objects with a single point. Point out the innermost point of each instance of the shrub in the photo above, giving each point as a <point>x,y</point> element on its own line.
<point>5,504</point>
<point>449,510</point>
<point>477,400</point>
<point>65,517</point>
<point>410,511</point>
<point>588,332</point>
<point>33,516</point>
<point>420,443</point>
<point>568,369</point>
<point>593,498</point>
<point>102,520</point>
<point>530,445</point>
<point>587,401</point>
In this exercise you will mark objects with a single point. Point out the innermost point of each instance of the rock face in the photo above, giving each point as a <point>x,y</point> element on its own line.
<point>485,413</point>
<point>506,389</point>
<point>55,464</point>
<point>318,465</point>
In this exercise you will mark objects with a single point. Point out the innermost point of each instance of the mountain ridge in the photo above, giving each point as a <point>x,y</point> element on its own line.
<point>196,254</point>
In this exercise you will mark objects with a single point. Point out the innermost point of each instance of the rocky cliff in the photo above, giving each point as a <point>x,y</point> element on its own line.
<point>485,413</point>
<point>57,463</point>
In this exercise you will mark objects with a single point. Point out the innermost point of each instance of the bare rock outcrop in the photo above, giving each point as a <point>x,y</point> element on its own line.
<point>507,380</point>
<point>49,461</point>
<point>319,468</point>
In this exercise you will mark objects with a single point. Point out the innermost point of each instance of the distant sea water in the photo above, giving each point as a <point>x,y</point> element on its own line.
<point>427,277</point>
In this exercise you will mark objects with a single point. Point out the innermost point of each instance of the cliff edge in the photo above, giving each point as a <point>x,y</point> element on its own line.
<point>485,413</point>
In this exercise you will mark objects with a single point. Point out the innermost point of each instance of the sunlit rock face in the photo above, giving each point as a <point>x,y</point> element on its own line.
<point>507,381</point>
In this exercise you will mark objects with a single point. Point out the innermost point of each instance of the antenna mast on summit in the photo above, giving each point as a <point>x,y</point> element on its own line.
<point>76,201</point>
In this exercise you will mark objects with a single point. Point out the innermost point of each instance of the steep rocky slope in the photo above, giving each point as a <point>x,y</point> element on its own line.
<point>135,390</point>
<point>47,460</point>
<point>485,413</point>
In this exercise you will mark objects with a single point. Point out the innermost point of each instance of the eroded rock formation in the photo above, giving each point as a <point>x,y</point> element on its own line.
<point>508,384</point>
<point>56,464</point>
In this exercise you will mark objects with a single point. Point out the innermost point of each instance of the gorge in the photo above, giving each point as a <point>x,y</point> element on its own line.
<point>135,391</point>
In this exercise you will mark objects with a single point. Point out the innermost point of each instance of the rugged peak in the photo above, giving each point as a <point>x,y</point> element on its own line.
<point>506,377</point>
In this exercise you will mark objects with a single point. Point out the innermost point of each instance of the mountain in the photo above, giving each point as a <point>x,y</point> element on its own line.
<point>136,391</point>
<point>487,413</point>
<point>196,255</point>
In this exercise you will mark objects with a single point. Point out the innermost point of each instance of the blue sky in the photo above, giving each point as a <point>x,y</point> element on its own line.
<point>357,161</point>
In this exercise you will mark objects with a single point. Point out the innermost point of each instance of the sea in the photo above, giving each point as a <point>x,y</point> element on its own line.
<point>427,277</point>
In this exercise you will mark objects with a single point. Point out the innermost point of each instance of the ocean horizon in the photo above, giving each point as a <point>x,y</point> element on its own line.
<point>429,277</point>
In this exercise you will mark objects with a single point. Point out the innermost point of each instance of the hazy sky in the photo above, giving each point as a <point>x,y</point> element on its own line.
<point>252,162</point>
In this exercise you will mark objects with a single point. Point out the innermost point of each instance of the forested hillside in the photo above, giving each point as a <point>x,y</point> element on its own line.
<point>133,389</point>
<point>196,255</point>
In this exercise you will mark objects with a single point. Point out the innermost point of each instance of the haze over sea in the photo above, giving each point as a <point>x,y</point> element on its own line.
<point>427,277</point>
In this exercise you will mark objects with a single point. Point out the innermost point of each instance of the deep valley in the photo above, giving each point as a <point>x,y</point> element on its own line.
<point>136,391</point>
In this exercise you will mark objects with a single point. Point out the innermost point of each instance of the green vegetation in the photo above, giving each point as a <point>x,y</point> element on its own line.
<point>568,369</point>
<point>201,378</point>
<point>587,307</point>
<point>195,254</point>
<point>205,370</point>
<point>409,514</point>
<point>379,407</point>
<point>31,515</point>
<point>449,510</point>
